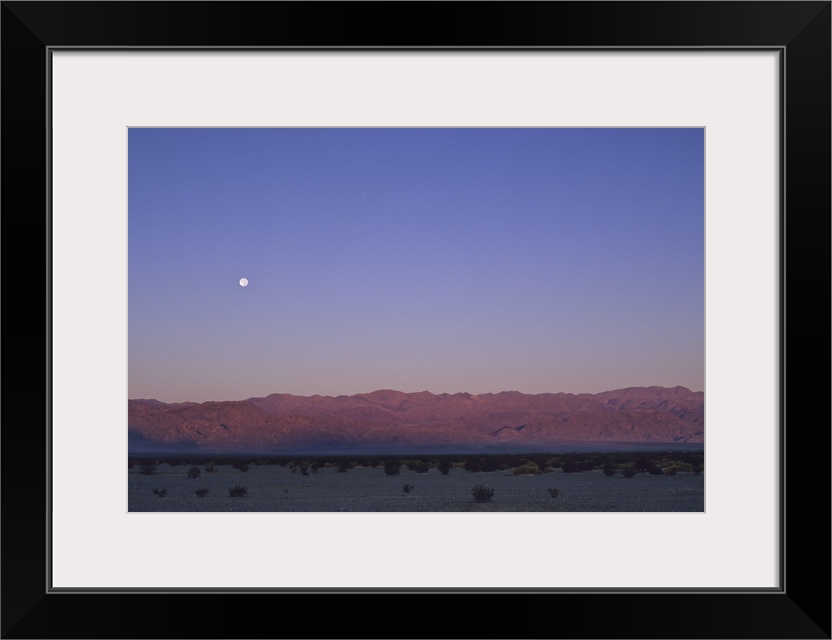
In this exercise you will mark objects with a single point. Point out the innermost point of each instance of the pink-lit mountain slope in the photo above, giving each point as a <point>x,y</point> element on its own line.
<point>283,422</point>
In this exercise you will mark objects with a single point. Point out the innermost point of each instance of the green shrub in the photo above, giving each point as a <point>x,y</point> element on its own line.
<point>209,467</point>
<point>193,473</point>
<point>343,467</point>
<point>148,468</point>
<point>530,468</point>
<point>392,467</point>
<point>444,467</point>
<point>628,471</point>
<point>609,469</point>
<point>482,493</point>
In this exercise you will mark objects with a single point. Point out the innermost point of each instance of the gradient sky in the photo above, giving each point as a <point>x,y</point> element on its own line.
<point>446,260</point>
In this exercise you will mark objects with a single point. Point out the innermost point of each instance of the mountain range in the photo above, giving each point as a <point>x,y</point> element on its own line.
<point>419,421</point>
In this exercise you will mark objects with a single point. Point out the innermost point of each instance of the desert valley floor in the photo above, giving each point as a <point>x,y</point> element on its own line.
<point>275,488</point>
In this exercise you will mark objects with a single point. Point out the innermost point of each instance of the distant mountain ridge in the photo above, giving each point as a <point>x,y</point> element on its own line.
<point>384,418</point>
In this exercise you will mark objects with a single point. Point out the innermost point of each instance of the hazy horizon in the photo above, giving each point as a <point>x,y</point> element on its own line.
<point>436,393</point>
<point>447,260</point>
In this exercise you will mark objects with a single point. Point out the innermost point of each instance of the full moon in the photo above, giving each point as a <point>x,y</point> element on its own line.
<point>243,282</point>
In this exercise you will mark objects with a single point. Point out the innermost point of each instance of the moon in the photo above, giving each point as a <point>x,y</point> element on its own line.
<point>243,282</point>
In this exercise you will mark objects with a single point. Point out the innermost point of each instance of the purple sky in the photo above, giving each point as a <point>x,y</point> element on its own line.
<point>447,260</point>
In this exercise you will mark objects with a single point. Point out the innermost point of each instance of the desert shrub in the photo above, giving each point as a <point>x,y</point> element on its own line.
<point>529,468</point>
<point>609,469</point>
<point>314,467</point>
<point>392,467</point>
<point>672,470</point>
<point>444,467</point>
<point>200,493</point>
<point>209,467</point>
<point>554,492</point>
<point>237,491</point>
<point>242,466</point>
<point>343,466</point>
<point>575,466</point>
<point>161,492</point>
<point>148,468</point>
<point>407,488</point>
<point>698,469</point>
<point>193,473</point>
<point>420,467</point>
<point>482,493</point>
<point>629,471</point>
<point>489,464</point>
<point>642,463</point>
<point>481,464</point>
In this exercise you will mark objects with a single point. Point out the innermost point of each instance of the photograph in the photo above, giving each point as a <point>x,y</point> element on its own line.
<point>416,319</point>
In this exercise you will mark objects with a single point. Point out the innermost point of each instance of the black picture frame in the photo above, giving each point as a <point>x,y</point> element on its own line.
<point>799,608</point>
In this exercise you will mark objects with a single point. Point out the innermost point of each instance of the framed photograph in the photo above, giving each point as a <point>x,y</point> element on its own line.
<point>103,100</point>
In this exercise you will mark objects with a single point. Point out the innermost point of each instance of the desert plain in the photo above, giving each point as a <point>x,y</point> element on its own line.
<point>275,488</point>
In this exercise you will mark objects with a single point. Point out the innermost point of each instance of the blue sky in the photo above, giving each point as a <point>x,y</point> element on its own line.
<point>447,260</point>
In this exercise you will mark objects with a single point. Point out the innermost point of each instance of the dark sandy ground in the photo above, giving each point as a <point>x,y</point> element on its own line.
<point>364,489</point>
